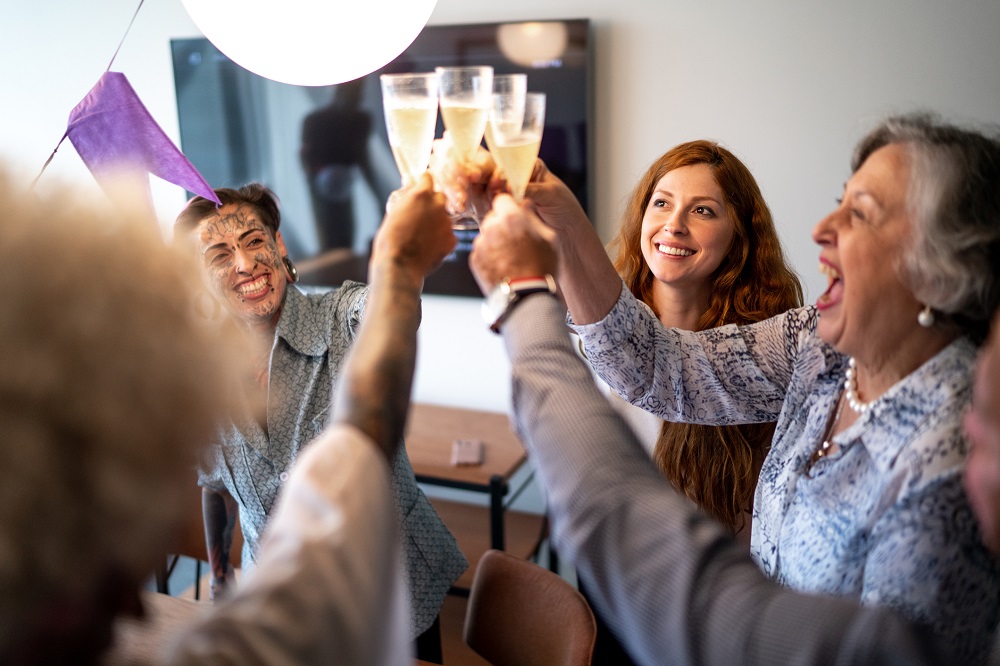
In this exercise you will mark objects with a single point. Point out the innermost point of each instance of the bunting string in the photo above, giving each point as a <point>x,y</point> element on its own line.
<point>125,35</point>
<point>56,149</point>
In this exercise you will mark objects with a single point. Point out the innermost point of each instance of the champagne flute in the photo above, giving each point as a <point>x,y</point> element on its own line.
<point>517,131</point>
<point>410,102</point>
<point>465,100</point>
<point>513,84</point>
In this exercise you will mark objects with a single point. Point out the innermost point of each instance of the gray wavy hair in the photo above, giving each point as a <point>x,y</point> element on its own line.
<point>110,385</point>
<point>954,198</point>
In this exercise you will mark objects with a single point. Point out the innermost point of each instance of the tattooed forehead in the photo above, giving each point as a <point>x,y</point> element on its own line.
<point>229,221</point>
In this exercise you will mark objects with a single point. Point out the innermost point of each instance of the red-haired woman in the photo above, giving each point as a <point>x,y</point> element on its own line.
<point>698,246</point>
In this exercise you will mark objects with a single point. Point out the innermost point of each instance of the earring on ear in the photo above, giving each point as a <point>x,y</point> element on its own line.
<point>293,272</point>
<point>926,317</point>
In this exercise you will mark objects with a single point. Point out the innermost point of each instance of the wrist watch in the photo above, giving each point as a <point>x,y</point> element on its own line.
<point>502,298</point>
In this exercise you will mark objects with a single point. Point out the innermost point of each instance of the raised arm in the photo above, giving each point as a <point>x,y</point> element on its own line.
<point>492,258</point>
<point>588,280</point>
<point>374,390</point>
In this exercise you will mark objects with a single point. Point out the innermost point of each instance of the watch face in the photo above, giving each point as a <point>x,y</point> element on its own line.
<point>496,303</point>
<point>505,295</point>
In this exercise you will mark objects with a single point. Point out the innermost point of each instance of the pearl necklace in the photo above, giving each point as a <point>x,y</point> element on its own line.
<point>850,397</point>
<point>851,390</point>
<point>827,443</point>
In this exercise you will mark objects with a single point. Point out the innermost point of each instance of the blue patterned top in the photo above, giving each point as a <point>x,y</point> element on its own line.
<point>884,520</point>
<point>311,341</point>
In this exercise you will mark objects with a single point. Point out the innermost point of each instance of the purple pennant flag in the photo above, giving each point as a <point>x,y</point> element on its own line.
<point>112,130</point>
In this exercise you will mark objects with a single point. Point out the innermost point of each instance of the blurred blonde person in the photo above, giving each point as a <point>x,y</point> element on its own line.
<point>113,381</point>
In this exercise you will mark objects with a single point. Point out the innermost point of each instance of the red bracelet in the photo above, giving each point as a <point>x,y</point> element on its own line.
<point>535,280</point>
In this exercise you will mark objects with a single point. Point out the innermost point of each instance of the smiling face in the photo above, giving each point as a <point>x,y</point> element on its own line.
<point>867,309</point>
<point>242,262</point>
<point>687,229</point>
<point>982,427</point>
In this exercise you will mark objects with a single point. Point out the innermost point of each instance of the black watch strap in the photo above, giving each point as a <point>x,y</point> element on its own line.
<point>517,290</point>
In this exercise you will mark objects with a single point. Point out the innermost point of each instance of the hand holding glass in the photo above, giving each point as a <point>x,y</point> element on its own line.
<point>517,132</point>
<point>410,102</point>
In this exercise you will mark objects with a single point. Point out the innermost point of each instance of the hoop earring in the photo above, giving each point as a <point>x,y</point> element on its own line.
<point>293,272</point>
<point>926,317</point>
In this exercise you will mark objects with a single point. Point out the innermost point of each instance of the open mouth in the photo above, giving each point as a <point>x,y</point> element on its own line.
<point>254,288</point>
<point>833,288</point>
<point>673,251</point>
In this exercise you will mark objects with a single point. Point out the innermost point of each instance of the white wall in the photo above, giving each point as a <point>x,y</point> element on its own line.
<point>788,85</point>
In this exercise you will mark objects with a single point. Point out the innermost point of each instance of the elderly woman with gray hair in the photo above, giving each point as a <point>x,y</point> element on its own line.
<point>861,493</point>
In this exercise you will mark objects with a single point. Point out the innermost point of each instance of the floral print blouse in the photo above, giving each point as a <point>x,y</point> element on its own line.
<point>885,519</point>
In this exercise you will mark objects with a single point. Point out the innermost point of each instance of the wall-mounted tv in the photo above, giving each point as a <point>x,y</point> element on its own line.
<point>325,152</point>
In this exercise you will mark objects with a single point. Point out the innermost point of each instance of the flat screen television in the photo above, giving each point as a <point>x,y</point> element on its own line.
<point>325,152</point>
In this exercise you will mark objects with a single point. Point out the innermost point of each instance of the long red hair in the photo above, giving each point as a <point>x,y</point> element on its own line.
<point>716,467</point>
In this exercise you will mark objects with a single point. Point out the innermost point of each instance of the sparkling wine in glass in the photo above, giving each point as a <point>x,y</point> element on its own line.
<point>517,131</point>
<point>512,84</point>
<point>465,101</point>
<point>410,102</point>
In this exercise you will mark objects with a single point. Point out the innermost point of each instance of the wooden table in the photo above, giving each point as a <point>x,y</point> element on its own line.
<point>430,432</point>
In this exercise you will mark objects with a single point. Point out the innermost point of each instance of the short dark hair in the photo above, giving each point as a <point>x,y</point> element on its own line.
<point>257,195</point>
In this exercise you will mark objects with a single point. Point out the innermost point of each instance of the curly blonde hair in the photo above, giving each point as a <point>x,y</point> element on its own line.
<point>714,466</point>
<point>111,385</point>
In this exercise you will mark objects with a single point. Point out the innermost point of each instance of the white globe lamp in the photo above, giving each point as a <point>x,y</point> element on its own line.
<point>310,42</point>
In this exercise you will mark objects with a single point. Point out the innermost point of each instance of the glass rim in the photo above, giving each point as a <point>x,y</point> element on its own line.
<point>527,95</point>
<point>463,68</point>
<point>407,75</point>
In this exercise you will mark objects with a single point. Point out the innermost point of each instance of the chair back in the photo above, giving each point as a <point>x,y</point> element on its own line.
<point>521,614</point>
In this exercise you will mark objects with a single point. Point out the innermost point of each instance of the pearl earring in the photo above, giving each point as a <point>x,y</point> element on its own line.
<point>926,317</point>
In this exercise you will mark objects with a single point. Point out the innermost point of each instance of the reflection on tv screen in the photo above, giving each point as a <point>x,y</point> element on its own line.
<point>325,152</point>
